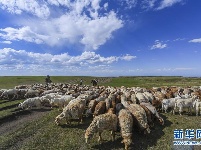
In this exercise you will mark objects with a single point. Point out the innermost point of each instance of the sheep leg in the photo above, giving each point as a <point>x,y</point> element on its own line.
<point>113,135</point>
<point>81,118</point>
<point>180,111</point>
<point>99,137</point>
<point>126,146</point>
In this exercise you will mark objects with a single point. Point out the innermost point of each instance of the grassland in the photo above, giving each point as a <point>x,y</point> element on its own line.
<point>42,133</point>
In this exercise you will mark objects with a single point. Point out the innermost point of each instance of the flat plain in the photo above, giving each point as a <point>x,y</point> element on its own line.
<point>36,129</point>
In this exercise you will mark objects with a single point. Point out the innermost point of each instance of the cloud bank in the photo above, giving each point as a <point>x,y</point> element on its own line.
<point>29,62</point>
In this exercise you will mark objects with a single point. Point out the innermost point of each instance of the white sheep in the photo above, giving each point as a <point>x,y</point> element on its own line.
<point>31,93</point>
<point>61,101</point>
<point>8,93</point>
<point>100,123</point>
<point>126,125</point>
<point>74,110</point>
<point>184,103</point>
<point>31,102</point>
<point>197,105</point>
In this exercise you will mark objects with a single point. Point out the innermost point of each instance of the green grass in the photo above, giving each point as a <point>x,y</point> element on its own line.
<point>44,134</point>
<point>9,108</point>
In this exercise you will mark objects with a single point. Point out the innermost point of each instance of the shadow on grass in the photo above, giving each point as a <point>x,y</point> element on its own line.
<point>74,123</point>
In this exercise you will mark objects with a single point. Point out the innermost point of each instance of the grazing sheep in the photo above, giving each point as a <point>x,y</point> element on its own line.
<point>126,124</point>
<point>108,103</point>
<point>100,123</point>
<point>74,110</point>
<point>150,118</point>
<point>62,101</point>
<point>31,102</point>
<point>31,93</point>
<point>141,97</point>
<point>124,101</point>
<point>91,107</point>
<point>100,108</point>
<point>140,117</point>
<point>119,106</point>
<point>8,93</point>
<point>153,110</point>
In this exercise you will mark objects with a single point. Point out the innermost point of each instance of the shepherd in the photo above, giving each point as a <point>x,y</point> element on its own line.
<point>48,80</point>
<point>94,82</point>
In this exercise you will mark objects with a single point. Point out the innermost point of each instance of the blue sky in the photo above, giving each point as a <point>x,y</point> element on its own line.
<point>100,37</point>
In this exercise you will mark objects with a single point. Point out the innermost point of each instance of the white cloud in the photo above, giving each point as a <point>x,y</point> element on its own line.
<point>20,60</point>
<point>168,3</point>
<point>6,42</point>
<point>30,6</point>
<point>158,45</point>
<point>195,40</point>
<point>81,23</point>
<point>128,57</point>
<point>128,4</point>
<point>24,33</point>
<point>148,4</point>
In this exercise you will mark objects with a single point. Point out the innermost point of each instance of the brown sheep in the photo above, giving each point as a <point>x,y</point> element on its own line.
<point>100,108</point>
<point>126,124</point>
<point>100,123</point>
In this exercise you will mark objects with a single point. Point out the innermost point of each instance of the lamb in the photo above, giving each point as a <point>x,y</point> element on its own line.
<point>74,110</point>
<point>100,123</point>
<point>140,117</point>
<point>126,124</point>
<point>31,102</point>
<point>100,108</point>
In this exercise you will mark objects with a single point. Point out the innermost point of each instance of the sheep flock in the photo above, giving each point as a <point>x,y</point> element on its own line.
<point>116,109</point>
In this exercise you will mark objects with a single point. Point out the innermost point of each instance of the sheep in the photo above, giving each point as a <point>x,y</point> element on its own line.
<point>140,117</point>
<point>31,93</point>
<point>108,103</point>
<point>141,97</point>
<point>153,110</point>
<point>119,106</point>
<point>62,101</point>
<point>100,108</point>
<point>126,124</point>
<point>74,110</point>
<point>168,103</point>
<point>30,102</point>
<point>100,123</point>
<point>91,107</point>
<point>149,115</point>
<point>184,103</point>
<point>197,105</point>
<point>8,93</point>
<point>124,101</point>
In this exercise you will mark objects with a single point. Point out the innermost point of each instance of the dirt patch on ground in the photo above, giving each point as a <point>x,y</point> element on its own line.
<point>13,123</point>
